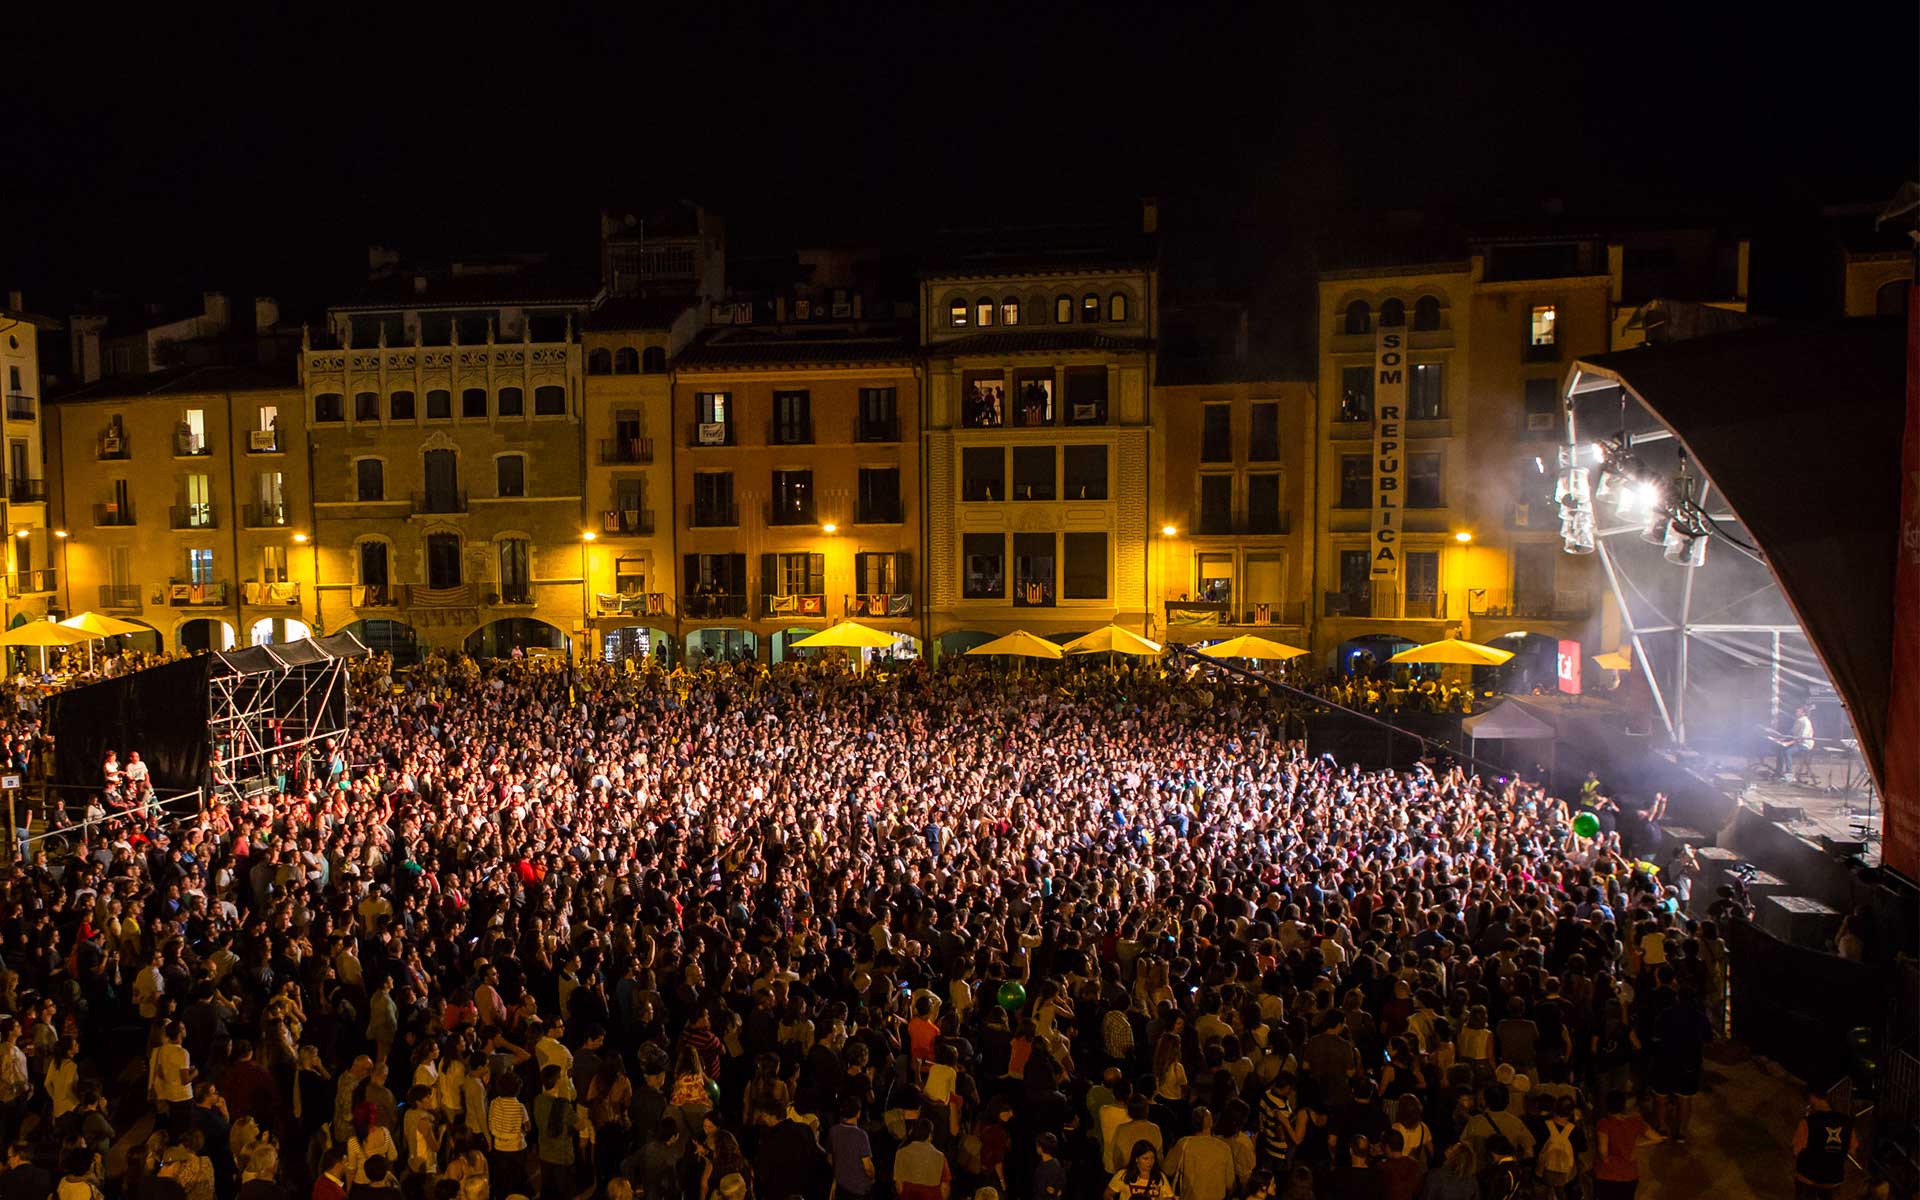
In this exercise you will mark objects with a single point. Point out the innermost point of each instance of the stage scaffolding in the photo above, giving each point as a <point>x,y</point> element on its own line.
<point>267,705</point>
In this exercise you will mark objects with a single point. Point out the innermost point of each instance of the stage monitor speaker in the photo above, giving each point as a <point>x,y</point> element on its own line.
<point>1782,812</point>
<point>1799,921</point>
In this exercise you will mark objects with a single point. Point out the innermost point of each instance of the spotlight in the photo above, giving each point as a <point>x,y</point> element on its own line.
<point>1686,546</point>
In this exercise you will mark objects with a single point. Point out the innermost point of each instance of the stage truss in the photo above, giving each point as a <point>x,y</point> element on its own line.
<point>264,713</point>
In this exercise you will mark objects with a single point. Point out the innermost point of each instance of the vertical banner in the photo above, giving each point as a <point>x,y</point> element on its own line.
<point>1900,841</point>
<point>1389,459</point>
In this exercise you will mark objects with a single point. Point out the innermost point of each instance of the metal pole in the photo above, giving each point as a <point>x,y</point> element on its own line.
<point>1775,699</point>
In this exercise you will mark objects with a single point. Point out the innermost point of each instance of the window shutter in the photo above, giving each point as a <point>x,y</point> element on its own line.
<point>736,573</point>
<point>902,571</point>
<point>816,574</point>
<point>692,562</point>
<point>770,575</point>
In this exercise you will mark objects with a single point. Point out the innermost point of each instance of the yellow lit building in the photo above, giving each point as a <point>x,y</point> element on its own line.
<point>185,499</point>
<point>629,470</point>
<point>1038,441</point>
<point>446,429</point>
<point>1234,545</point>
<point>796,483</point>
<point>31,574</point>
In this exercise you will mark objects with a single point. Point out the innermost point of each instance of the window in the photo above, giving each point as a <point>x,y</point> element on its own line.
<point>1216,433</point>
<point>1426,394</point>
<point>713,417</point>
<point>629,576</point>
<point>984,566</point>
<point>1086,473</point>
<point>799,574</point>
<point>1356,570</point>
<point>366,406</point>
<point>1423,481</point>
<point>1890,300</point>
<point>370,476</point>
<point>516,584</point>
<point>881,574</point>
<point>13,378</point>
<point>1063,310</point>
<point>1423,583</point>
<point>1216,578</point>
<point>1393,314</point>
<point>1117,307</point>
<point>1090,308</point>
<point>442,471</point>
<point>957,313</point>
<point>473,402</point>
<point>550,401</point>
<point>197,513</point>
<point>511,401</point>
<point>879,496</point>
<point>1541,333</point>
<point>199,565</point>
<point>599,362</point>
<point>1033,398</point>
<point>1356,481</point>
<point>1263,433</point>
<point>1033,570</point>
<point>983,473</point>
<point>189,439</point>
<point>983,311</point>
<point>328,406</point>
<point>1033,472</point>
<point>400,406</point>
<point>269,422</point>
<point>879,415</point>
<point>792,419</point>
<point>626,361</point>
<point>1542,408</point>
<point>443,560</point>
<point>1356,394</point>
<point>1086,395</point>
<point>792,498</point>
<point>1010,311</point>
<point>716,585</point>
<point>273,564</point>
<point>1216,504</point>
<point>510,475</point>
<point>653,360</point>
<point>713,498</point>
<point>271,487</point>
<point>1533,584</point>
<point>1263,503</point>
<point>1359,317</point>
<point>1083,574</point>
<point>439,405</point>
<point>373,567</point>
<point>1426,313</point>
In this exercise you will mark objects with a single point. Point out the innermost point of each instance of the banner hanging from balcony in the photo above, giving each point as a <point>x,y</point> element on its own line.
<point>1389,402</point>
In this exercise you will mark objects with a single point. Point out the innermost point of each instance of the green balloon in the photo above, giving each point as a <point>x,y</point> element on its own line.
<point>1012,995</point>
<point>1586,825</point>
<point>713,1091</point>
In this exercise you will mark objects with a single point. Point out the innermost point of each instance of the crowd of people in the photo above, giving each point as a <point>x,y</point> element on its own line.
<point>610,931</point>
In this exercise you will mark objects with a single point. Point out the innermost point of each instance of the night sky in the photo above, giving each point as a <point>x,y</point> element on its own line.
<point>177,149</point>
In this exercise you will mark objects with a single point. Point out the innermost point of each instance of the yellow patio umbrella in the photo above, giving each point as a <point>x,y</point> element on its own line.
<point>99,625</point>
<point>43,634</point>
<point>1454,652</point>
<point>1111,639</point>
<point>1614,660</point>
<point>1019,644</point>
<point>847,635</point>
<point>1249,645</point>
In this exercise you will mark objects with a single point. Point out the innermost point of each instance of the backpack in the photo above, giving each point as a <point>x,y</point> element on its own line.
<point>1556,1156</point>
<point>1505,1181</point>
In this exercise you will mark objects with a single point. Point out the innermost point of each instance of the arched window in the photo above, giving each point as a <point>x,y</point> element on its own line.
<point>1359,317</point>
<point>1891,299</point>
<point>626,361</point>
<point>653,360</point>
<point>328,406</point>
<point>983,311</point>
<point>1426,312</point>
<point>439,404</point>
<point>1090,308</point>
<point>599,362</point>
<point>1063,310</point>
<point>400,406</point>
<point>957,313</point>
<point>511,401</point>
<point>550,401</point>
<point>1010,311</point>
<point>1393,314</point>
<point>1117,307</point>
<point>366,406</point>
<point>473,402</point>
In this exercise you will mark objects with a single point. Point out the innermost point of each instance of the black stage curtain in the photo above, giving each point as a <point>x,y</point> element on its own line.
<point>161,712</point>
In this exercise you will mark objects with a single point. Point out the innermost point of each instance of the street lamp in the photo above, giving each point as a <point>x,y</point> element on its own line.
<point>587,537</point>
<point>829,527</point>
<point>66,575</point>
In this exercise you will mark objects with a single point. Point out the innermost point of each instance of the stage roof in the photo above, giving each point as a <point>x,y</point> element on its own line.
<point>259,660</point>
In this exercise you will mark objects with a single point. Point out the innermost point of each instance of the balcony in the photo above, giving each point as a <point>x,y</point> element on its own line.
<point>1430,606</point>
<point>270,595</point>
<point>791,514</point>
<point>119,595</point>
<point>629,451</point>
<point>714,606</point>
<point>374,595</point>
<point>188,445</point>
<point>1224,612</point>
<point>520,593</point>
<point>112,447</point>
<point>118,515</point>
<point>186,593</point>
<point>880,430</point>
<point>713,516</point>
<point>631,522</point>
<point>711,433</point>
<point>1562,605</point>
<point>1364,600</point>
<point>1353,601</point>
<point>263,441</point>
<point>32,583</point>
<point>264,515</point>
<point>876,605</point>
<point>22,490</point>
<point>19,406</point>
<point>192,516</point>
<point>1033,593</point>
<point>440,502</point>
<point>801,605</point>
<point>790,433</point>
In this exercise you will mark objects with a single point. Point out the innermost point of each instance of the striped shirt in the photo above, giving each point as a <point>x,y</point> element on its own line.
<point>507,1123</point>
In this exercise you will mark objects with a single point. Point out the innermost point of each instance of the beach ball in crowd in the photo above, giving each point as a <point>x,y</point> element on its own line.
<point>713,1091</point>
<point>1012,995</point>
<point>1586,825</point>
